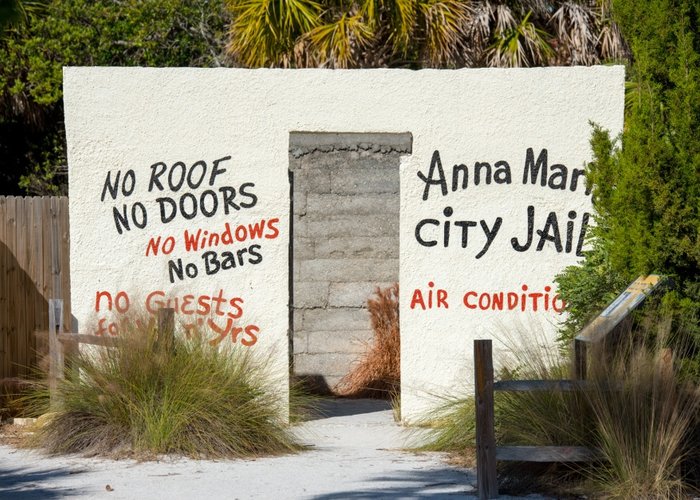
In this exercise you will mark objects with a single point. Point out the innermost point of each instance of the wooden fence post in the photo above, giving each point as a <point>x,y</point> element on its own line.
<point>55,250</point>
<point>486,480</point>
<point>166,329</point>
<point>56,361</point>
<point>580,360</point>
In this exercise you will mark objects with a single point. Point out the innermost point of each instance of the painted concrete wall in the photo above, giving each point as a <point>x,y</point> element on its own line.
<point>495,210</point>
<point>132,118</point>
<point>345,244</point>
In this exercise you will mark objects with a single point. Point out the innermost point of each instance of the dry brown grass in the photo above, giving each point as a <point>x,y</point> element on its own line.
<point>377,373</point>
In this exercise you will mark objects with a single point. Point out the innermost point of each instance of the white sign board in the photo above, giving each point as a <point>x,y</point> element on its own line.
<point>179,191</point>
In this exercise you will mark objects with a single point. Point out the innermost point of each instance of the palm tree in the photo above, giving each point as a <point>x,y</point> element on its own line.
<point>422,33</point>
<point>369,33</point>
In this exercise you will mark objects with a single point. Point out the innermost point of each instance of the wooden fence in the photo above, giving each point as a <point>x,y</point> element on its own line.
<point>34,265</point>
<point>600,331</point>
<point>487,453</point>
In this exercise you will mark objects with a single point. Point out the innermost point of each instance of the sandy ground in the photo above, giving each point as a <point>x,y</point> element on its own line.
<point>356,453</point>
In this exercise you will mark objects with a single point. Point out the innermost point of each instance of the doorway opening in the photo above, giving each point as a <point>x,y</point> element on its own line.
<point>344,244</point>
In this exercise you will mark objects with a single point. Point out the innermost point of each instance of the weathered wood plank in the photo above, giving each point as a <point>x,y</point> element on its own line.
<point>47,288</point>
<point>30,270</point>
<point>539,385</point>
<point>40,303</point>
<point>11,273</point>
<point>4,310</point>
<point>580,360</point>
<point>64,248</point>
<point>23,286</point>
<point>487,483</point>
<point>546,454</point>
<point>166,329</point>
<point>4,371</point>
<point>26,279</point>
<point>82,338</point>
<point>54,231</point>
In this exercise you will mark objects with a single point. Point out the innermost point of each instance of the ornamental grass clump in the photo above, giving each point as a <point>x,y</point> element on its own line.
<point>450,427</point>
<point>144,399</point>
<point>638,412</point>
<point>645,417</point>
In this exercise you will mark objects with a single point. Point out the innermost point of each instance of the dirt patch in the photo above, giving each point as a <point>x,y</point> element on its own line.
<point>14,435</point>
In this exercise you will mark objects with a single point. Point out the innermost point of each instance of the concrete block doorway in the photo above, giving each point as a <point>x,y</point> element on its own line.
<point>344,190</point>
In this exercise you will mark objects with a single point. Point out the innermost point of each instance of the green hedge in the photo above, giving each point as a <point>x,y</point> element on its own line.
<point>646,183</point>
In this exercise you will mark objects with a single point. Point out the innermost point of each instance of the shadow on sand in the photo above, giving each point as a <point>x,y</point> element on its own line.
<point>343,407</point>
<point>434,484</point>
<point>27,484</point>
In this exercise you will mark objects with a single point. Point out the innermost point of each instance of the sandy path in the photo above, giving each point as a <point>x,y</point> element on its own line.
<point>356,454</point>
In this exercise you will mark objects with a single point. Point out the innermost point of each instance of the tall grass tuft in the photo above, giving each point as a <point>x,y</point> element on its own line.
<point>143,399</point>
<point>11,391</point>
<point>378,372</point>
<point>637,412</point>
<point>645,417</point>
<point>539,417</point>
<point>451,427</point>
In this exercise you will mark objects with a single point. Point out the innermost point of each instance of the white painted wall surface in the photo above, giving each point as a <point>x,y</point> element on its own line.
<point>131,118</point>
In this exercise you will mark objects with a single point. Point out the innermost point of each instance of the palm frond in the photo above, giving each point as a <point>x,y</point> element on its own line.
<point>610,42</point>
<point>478,30</point>
<point>522,45</point>
<point>446,24</point>
<point>403,23</point>
<point>612,45</point>
<point>539,8</point>
<point>574,24</point>
<point>436,33</point>
<point>371,11</point>
<point>264,32</point>
<point>301,15</point>
<point>504,18</point>
<point>336,42</point>
<point>480,20</point>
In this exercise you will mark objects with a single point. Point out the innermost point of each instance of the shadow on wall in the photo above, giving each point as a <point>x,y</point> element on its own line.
<point>23,310</point>
<point>313,384</point>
